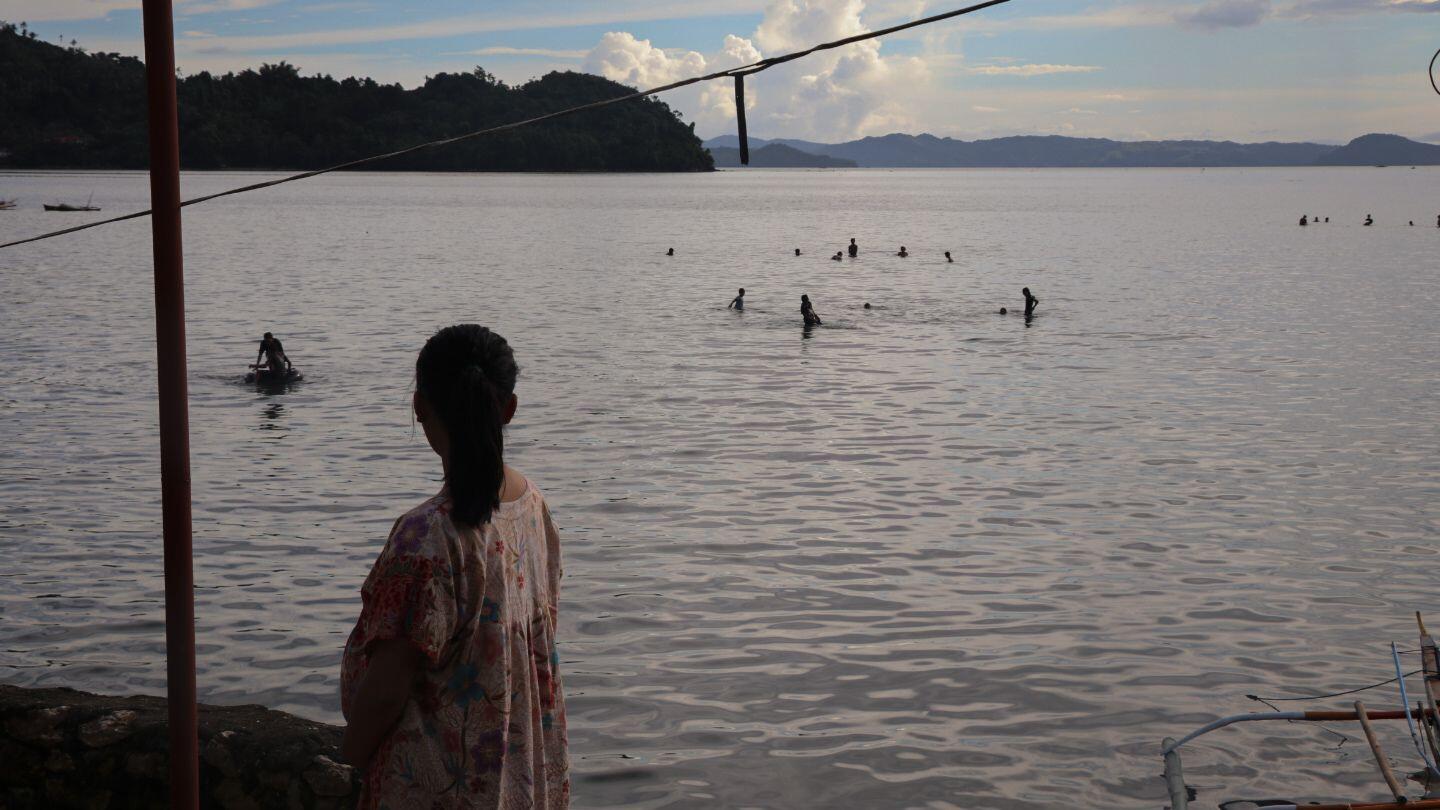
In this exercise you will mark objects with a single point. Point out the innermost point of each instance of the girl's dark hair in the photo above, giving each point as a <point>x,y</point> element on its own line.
<point>467,375</point>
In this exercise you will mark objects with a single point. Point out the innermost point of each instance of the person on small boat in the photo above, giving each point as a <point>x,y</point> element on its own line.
<point>670,252</point>
<point>903,252</point>
<point>1369,220</point>
<point>738,304</point>
<point>947,257</point>
<point>276,361</point>
<point>1304,221</point>
<point>854,248</point>
<point>1030,303</point>
<point>808,312</point>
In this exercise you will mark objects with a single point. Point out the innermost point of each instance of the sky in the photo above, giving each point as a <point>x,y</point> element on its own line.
<point>1244,70</point>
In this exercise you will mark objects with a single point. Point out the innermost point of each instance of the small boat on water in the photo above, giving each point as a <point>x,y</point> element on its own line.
<point>6,205</point>
<point>68,207</point>
<point>1419,708</point>
<point>265,376</point>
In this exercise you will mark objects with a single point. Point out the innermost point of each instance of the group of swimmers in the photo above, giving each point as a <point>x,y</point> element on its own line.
<point>807,311</point>
<point>1369,220</point>
<point>854,251</point>
<point>810,318</point>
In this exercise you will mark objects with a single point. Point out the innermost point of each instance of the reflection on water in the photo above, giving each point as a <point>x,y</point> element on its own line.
<point>271,414</point>
<point>924,558</point>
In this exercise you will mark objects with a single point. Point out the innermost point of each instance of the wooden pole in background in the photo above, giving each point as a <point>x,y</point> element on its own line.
<point>740,119</point>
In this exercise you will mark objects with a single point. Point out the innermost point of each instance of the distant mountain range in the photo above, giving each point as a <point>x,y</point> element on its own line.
<point>1054,151</point>
<point>777,156</point>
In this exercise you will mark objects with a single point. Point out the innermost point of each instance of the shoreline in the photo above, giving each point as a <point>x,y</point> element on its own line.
<point>66,748</point>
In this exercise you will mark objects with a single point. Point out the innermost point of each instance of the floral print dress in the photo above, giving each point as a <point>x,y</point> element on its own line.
<point>485,723</point>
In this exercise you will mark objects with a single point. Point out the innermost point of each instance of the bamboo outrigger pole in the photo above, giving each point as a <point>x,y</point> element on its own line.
<point>174,408</point>
<point>1381,761</point>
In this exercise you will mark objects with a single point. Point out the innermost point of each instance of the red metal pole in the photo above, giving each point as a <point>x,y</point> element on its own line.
<point>174,408</point>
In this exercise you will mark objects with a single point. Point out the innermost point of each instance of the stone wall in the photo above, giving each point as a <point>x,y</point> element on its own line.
<point>60,748</point>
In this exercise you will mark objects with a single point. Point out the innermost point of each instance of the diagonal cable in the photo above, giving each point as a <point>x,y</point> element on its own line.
<point>743,70</point>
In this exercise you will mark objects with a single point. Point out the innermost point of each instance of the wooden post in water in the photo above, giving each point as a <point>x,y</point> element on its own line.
<point>174,406</point>
<point>740,119</point>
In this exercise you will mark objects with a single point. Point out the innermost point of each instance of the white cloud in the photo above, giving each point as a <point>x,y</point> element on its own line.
<point>503,50</point>
<point>1030,70</point>
<point>844,93</point>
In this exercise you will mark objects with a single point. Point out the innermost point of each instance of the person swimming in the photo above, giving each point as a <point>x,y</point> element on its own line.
<point>947,257</point>
<point>1369,220</point>
<point>867,305</point>
<point>854,248</point>
<point>903,252</point>
<point>808,312</point>
<point>276,361</point>
<point>797,251</point>
<point>1031,302</point>
<point>738,303</point>
<point>1304,221</point>
<point>670,252</point>
<point>1004,311</point>
<point>839,256</point>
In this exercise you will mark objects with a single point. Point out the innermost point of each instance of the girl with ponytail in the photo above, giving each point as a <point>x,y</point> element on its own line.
<point>449,683</point>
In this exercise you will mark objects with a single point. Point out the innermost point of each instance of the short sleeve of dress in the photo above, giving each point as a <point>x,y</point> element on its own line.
<point>409,593</point>
<point>555,570</point>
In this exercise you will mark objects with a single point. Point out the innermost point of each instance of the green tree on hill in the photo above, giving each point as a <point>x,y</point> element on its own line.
<point>65,108</point>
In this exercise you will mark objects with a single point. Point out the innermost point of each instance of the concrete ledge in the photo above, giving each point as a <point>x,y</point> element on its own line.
<point>61,748</point>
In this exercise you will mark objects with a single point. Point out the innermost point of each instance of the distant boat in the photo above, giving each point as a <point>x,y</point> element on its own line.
<point>6,205</point>
<point>68,207</point>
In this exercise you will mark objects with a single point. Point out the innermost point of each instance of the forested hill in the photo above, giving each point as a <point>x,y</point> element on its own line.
<point>65,108</point>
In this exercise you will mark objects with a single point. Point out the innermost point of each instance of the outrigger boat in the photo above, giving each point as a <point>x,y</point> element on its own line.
<point>68,207</point>
<point>1422,720</point>
<point>260,374</point>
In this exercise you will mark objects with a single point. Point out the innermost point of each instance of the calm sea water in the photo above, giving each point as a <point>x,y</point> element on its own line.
<point>923,556</point>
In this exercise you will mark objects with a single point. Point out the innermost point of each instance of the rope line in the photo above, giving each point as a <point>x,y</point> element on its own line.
<point>743,70</point>
<point>1433,60</point>
<point>1333,694</point>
